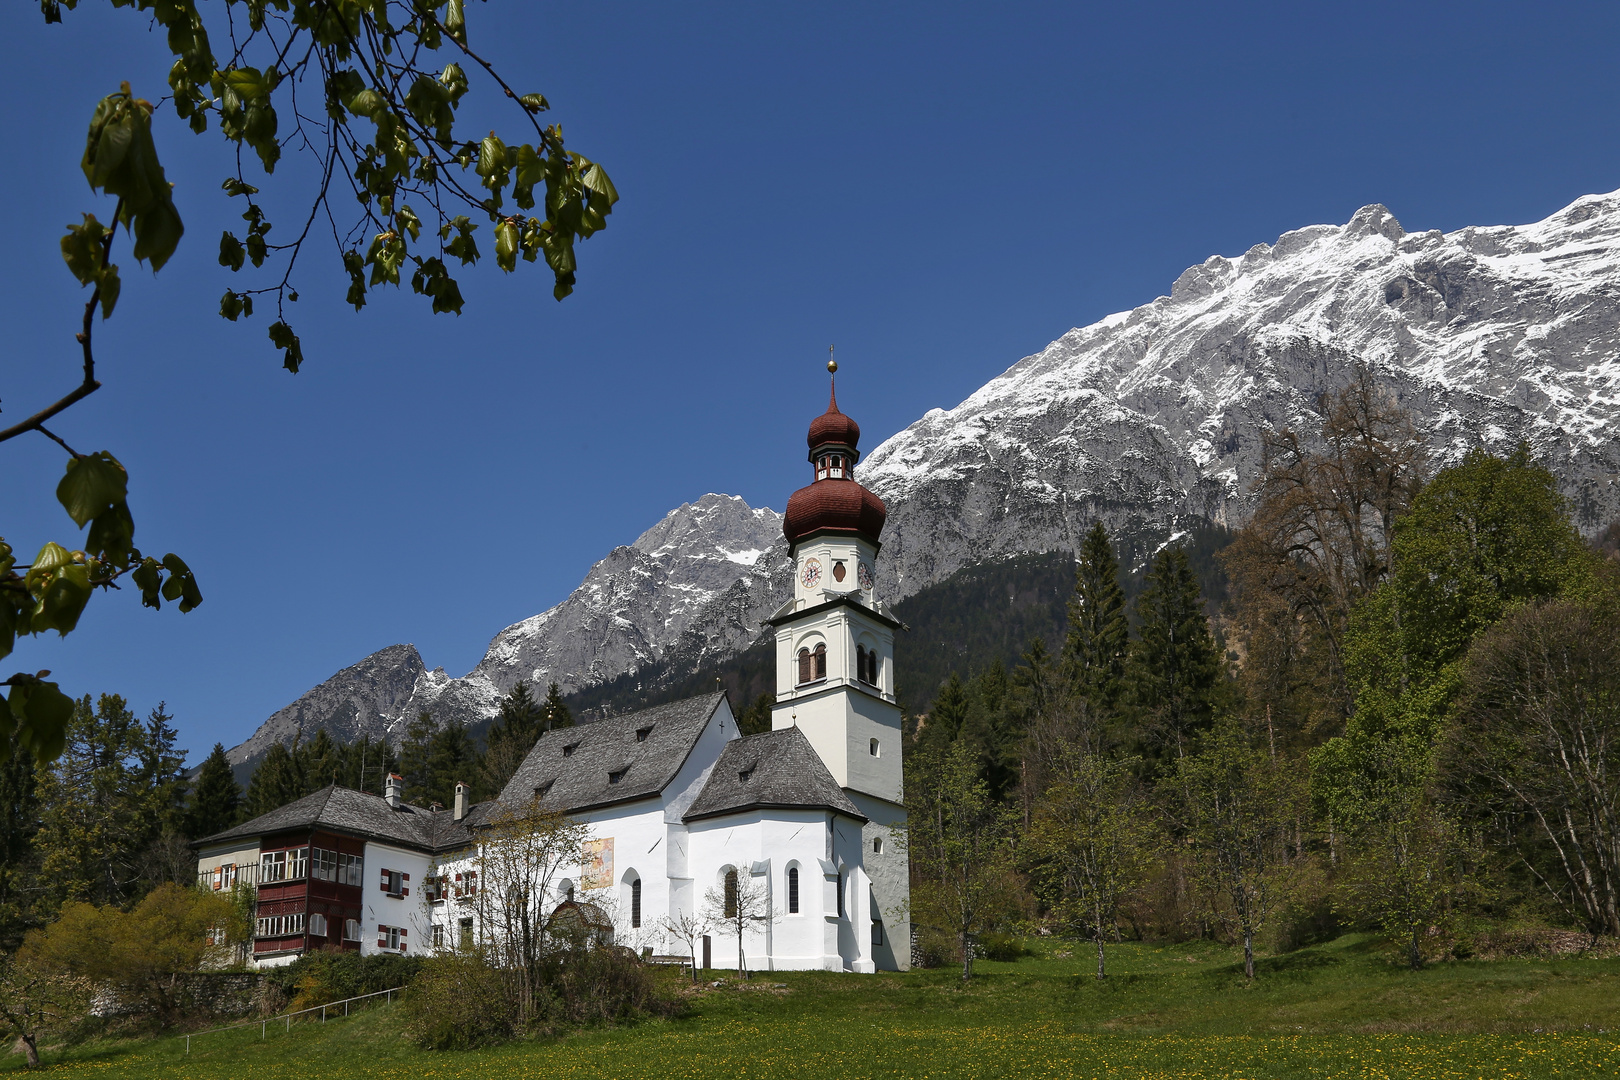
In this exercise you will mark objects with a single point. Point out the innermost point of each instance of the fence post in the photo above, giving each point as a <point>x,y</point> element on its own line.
<point>188,1045</point>
<point>262,1025</point>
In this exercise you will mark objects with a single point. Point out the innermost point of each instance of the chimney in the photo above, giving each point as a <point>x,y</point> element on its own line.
<point>394,789</point>
<point>461,800</point>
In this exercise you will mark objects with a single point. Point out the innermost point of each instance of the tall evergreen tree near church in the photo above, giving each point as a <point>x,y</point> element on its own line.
<point>555,710</point>
<point>1099,636</point>
<point>216,802</point>
<point>517,727</point>
<point>1174,667</point>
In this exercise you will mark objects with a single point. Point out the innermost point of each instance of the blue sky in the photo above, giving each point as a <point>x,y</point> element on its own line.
<point>940,189</point>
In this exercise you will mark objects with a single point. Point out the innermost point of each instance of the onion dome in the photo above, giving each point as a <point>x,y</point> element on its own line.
<point>833,428</point>
<point>834,503</point>
<point>834,506</point>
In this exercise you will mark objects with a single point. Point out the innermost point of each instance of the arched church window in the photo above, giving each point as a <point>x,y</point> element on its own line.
<point>840,894</point>
<point>731,894</point>
<point>793,890</point>
<point>806,666</point>
<point>635,903</point>
<point>860,663</point>
<point>821,660</point>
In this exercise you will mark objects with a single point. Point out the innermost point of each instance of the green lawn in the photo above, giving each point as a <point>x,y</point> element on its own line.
<point>1338,1010</point>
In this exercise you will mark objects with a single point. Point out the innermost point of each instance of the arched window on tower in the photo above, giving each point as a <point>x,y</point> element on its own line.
<point>873,675</point>
<point>821,660</point>
<point>807,666</point>
<point>860,663</point>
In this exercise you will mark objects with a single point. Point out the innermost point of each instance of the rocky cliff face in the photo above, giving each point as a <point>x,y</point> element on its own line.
<point>1488,335</point>
<point>1146,418</point>
<point>371,697</point>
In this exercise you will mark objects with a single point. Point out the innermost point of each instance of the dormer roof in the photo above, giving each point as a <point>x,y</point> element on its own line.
<point>620,759</point>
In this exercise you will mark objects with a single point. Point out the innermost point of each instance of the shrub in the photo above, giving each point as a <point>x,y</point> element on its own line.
<point>330,975</point>
<point>144,957</point>
<point>459,1001</point>
<point>1002,948</point>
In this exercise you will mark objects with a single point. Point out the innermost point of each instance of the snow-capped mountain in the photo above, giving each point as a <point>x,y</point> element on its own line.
<point>1489,335</point>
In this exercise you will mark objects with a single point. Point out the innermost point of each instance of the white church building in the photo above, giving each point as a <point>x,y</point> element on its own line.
<point>675,798</point>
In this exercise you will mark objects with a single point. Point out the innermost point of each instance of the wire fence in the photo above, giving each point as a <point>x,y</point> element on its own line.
<point>287,1018</point>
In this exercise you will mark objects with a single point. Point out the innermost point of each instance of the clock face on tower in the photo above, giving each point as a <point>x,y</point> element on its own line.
<point>811,574</point>
<point>864,576</point>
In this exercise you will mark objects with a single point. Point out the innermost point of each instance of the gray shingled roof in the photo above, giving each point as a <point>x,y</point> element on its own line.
<point>573,768</point>
<point>356,813</point>
<point>776,769</point>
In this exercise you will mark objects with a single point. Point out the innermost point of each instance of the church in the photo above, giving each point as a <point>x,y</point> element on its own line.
<point>678,803</point>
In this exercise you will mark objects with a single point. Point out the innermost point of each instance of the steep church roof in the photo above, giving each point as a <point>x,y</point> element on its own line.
<point>619,759</point>
<point>773,770</point>
<point>356,813</point>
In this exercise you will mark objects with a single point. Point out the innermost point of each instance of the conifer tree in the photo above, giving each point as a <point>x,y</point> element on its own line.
<point>1098,633</point>
<point>756,719</point>
<point>1174,668</point>
<point>416,758</point>
<point>96,813</point>
<point>556,710</point>
<point>946,716</point>
<point>216,802</point>
<point>162,774</point>
<point>276,782</point>
<point>19,825</point>
<point>511,737</point>
<point>991,725</point>
<point>322,761</point>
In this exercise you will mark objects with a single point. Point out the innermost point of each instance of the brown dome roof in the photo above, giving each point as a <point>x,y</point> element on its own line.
<point>833,428</point>
<point>838,506</point>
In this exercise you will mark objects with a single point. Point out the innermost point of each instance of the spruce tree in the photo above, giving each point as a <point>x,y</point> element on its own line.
<point>277,781</point>
<point>216,801</point>
<point>162,774</point>
<point>556,710</point>
<point>946,716</point>
<point>19,861</point>
<point>1174,667</point>
<point>513,734</point>
<point>416,759</point>
<point>756,719</point>
<point>1098,632</point>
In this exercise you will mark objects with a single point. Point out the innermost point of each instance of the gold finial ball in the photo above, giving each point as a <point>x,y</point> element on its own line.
<point>832,365</point>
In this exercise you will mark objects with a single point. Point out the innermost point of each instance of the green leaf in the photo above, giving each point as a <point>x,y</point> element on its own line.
<point>82,249</point>
<point>110,287</point>
<point>182,585</point>
<point>367,103</point>
<point>506,245</point>
<point>282,337</point>
<point>492,164</point>
<point>93,484</point>
<point>455,21</point>
<point>41,713</point>
<point>63,600</point>
<point>230,305</point>
<point>535,103</point>
<point>149,579</point>
<point>233,187</point>
<point>112,536</point>
<point>231,253</point>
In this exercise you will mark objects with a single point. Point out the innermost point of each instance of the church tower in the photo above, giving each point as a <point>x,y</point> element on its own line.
<point>835,660</point>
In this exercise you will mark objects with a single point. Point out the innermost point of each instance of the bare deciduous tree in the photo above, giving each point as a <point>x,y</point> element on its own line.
<point>1540,723</point>
<point>1320,538</point>
<point>521,855</point>
<point>1093,839</point>
<point>740,903</point>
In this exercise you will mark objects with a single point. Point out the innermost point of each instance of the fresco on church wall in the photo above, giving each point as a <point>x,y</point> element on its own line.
<point>596,868</point>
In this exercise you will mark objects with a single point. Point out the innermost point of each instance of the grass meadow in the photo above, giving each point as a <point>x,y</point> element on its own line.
<point>1331,1011</point>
